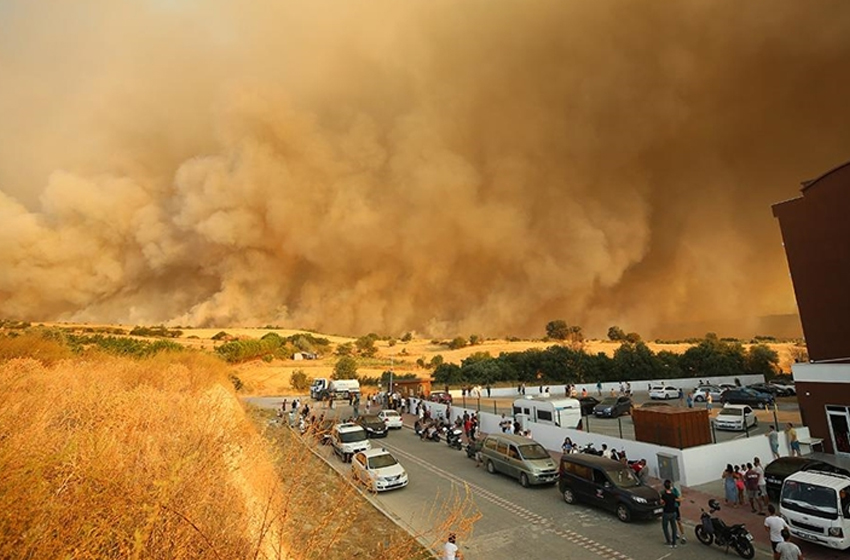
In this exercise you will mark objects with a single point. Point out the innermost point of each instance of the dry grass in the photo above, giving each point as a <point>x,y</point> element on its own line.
<point>156,459</point>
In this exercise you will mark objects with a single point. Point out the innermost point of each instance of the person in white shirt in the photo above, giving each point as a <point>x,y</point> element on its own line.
<point>786,550</point>
<point>762,482</point>
<point>774,525</point>
<point>450,549</point>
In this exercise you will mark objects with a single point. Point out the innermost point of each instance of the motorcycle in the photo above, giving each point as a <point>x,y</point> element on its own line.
<point>472,448</point>
<point>453,438</point>
<point>712,529</point>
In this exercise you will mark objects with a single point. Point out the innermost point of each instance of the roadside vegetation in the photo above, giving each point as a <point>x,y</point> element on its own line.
<point>152,456</point>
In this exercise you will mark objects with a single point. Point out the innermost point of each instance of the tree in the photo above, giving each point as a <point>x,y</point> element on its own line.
<point>474,339</point>
<point>616,333</point>
<point>457,343</point>
<point>557,329</point>
<point>299,380</point>
<point>437,361</point>
<point>763,359</point>
<point>344,349</point>
<point>632,337</point>
<point>366,345</point>
<point>345,368</point>
<point>408,336</point>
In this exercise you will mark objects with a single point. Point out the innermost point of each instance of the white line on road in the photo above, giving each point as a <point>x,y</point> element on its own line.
<point>535,519</point>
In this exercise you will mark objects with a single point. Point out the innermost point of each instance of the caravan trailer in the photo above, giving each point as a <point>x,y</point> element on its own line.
<point>562,412</point>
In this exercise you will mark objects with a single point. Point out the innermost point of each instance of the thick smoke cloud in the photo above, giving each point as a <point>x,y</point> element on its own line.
<point>445,167</point>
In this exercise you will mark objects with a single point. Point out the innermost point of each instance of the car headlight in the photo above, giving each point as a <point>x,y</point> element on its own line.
<point>836,532</point>
<point>639,500</point>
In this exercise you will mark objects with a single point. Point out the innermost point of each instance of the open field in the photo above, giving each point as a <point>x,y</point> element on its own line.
<point>273,378</point>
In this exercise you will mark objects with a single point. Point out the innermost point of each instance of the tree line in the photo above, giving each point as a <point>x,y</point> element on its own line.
<point>631,361</point>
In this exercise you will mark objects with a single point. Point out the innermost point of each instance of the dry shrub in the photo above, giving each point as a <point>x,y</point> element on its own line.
<point>33,344</point>
<point>124,459</point>
<point>105,457</point>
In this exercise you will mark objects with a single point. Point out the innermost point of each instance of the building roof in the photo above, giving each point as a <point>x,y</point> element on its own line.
<point>811,182</point>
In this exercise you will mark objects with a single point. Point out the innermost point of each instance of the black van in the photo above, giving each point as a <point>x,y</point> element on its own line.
<point>607,484</point>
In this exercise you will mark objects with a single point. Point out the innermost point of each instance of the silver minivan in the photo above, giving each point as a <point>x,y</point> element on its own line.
<point>519,457</point>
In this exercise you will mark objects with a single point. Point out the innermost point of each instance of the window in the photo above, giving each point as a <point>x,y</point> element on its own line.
<point>502,448</point>
<point>599,477</point>
<point>544,415</point>
<point>579,471</point>
<point>512,452</point>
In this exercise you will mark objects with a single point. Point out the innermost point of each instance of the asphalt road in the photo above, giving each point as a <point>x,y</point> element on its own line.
<point>515,522</point>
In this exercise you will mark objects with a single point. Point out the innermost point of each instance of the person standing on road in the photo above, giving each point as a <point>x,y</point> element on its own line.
<point>786,550</point>
<point>668,517</point>
<point>774,525</point>
<point>708,402</point>
<point>599,388</point>
<point>773,439</point>
<point>450,549</point>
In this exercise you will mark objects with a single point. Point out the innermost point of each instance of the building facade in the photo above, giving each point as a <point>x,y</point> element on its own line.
<point>816,235</point>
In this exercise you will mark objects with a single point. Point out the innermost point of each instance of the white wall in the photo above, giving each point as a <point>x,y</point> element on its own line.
<point>686,383</point>
<point>697,465</point>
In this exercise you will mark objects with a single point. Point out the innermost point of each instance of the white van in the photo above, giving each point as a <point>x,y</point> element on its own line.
<point>817,507</point>
<point>562,412</point>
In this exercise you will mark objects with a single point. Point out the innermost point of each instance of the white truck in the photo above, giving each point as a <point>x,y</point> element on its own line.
<point>816,506</point>
<point>563,412</point>
<point>334,388</point>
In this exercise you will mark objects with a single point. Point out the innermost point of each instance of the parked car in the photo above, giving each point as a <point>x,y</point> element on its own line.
<point>374,426</point>
<point>786,384</point>
<point>735,417</point>
<point>587,405</point>
<point>348,439</point>
<point>765,388</point>
<point>663,392</point>
<point>701,393</point>
<point>440,397</point>
<point>785,389</point>
<point>391,418</point>
<point>519,457</point>
<point>378,470</point>
<point>612,407</point>
<point>607,484</point>
<point>747,396</point>
<point>780,469</point>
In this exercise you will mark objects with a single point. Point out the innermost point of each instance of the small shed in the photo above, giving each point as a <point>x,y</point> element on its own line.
<point>412,387</point>
<point>672,426</point>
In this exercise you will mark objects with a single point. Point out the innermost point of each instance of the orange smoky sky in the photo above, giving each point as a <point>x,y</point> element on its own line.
<point>432,166</point>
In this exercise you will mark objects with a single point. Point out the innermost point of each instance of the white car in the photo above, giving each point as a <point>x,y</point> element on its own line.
<point>378,470</point>
<point>701,393</point>
<point>663,392</point>
<point>391,418</point>
<point>735,417</point>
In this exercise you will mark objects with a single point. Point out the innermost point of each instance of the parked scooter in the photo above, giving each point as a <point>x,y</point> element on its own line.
<point>712,529</point>
<point>453,434</point>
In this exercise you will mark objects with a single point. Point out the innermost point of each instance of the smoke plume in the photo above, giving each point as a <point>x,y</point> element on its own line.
<point>438,166</point>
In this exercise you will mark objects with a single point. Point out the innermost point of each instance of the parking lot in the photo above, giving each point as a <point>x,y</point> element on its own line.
<point>786,410</point>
